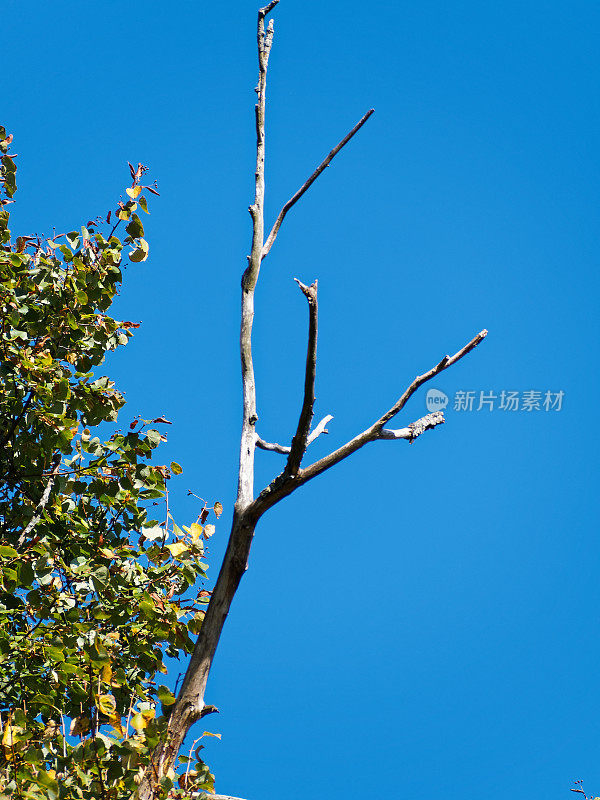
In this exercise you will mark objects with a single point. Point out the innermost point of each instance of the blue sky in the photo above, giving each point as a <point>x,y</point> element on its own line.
<point>423,620</point>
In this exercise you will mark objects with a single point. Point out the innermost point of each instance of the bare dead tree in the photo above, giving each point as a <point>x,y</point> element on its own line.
<point>249,508</point>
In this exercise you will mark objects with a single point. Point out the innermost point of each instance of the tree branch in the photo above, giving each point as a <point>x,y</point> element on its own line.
<point>374,431</point>
<point>56,459</point>
<point>447,361</point>
<point>321,428</point>
<point>272,447</point>
<point>250,278</point>
<point>300,440</point>
<point>307,184</point>
<point>283,485</point>
<point>415,428</point>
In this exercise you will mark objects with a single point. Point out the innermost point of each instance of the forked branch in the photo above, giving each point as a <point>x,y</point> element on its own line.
<point>375,431</point>
<point>284,484</point>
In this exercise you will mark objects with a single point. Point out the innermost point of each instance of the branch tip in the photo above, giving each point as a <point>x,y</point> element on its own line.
<point>301,437</point>
<point>208,710</point>
<point>262,12</point>
<point>308,183</point>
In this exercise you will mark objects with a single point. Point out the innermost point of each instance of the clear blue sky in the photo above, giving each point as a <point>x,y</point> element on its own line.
<point>423,621</point>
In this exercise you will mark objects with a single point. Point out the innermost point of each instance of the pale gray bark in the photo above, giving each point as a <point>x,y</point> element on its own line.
<point>56,461</point>
<point>190,706</point>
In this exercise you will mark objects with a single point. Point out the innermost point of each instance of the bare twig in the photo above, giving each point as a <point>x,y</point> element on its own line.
<point>321,428</point>
<point>284,484</point>
<point>415,428</point>
<point>273,447</point>
<point>208,710</point>
<point>56,459</point>
<point>307,184</point>
<point>447,361</point>
<point>300,440</point>
<point>374,431</point>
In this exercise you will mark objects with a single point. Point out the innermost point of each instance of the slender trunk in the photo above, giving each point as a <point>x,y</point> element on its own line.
<point>190,701</point>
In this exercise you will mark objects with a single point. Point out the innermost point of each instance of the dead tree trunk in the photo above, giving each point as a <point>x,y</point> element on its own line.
<point>190,706</point>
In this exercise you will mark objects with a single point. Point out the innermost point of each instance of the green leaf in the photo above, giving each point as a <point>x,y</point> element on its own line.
<point>135,228</point>
<point>73,239</point>
<point>141,251</point>
<point>55,654</point>
<point>176,468</point>
<point>107,704</point>
<point>165,696</point>
<point>154,437</point>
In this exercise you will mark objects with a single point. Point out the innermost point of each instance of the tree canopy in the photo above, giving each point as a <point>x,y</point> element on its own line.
<point>95,571</point>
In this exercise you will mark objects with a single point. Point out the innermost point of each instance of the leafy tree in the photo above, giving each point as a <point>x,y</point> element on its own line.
<point>92,595</point>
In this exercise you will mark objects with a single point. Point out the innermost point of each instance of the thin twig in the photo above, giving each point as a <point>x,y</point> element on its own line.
<point>284,484</point>
<point>273,447</point>
<point>300,440</point>
<point>446,362</point>
<point>374,431</point>
<point>56,459</point>
<point>321,428</point>
<point>415,428</point>
<point>307,184</point>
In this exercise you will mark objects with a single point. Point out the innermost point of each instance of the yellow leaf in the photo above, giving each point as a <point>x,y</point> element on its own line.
<point>177,549</point>
<point>50,730</point>
<point>107,553</point>
<point>148,713</point>
<point>116,724</point>
<point>79,726</point>
<point>9,739</point>
<point>208,531</point>
<point>216,735</point>
<point>106,673</point>
<point>133,193</point>
<point>138,722</point>
<point>218,509</point>
<point>196,531</point>
<point>107,704</point>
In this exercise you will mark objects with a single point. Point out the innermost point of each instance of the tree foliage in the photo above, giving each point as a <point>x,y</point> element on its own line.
<point>93,590</point>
